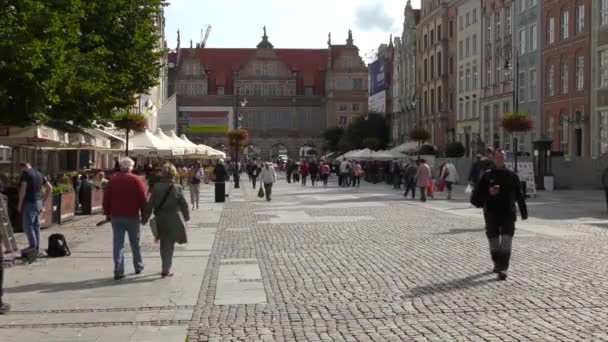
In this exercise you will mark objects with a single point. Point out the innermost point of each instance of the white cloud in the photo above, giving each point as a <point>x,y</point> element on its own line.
<point>374,16</point>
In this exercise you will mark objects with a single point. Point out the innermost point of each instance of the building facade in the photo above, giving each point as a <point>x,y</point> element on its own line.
<point>497,86</point>
<point>452,68</point>
<point>566,73</point>
<point>599,78</point>
<point>408,97</point>
<point>468,68</point>
<point>528,53</point>
<point>397,109</point>
<point>291,94</point>
<point>431,55</point>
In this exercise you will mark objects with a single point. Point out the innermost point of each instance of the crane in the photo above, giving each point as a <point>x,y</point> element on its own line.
<point>204,39</point>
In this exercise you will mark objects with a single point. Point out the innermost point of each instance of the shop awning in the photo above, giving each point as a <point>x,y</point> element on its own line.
<point>37,136</point>
<point>147,144</point>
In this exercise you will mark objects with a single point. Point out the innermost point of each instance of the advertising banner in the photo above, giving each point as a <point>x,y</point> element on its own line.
<point>205,121</point>
<point>377,77</point>
<point>377,102</point>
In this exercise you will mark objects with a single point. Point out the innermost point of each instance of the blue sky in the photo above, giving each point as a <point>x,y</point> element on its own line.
<point>290,23</point>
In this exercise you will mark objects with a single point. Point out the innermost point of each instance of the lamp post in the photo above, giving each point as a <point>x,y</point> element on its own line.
<point>237,118</point>
<point>515,82</point>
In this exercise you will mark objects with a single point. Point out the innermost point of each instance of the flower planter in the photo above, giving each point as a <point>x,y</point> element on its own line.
<point>92,201</point>
<point>64,207</point>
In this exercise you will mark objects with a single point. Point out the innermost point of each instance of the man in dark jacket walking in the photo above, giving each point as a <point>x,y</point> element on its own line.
<point>497,191</point>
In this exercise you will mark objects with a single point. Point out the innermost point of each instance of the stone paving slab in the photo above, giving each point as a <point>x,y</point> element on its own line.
<point>97,334</point>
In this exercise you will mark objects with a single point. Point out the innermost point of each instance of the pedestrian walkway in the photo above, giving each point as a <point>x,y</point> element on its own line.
<point>76,299</point>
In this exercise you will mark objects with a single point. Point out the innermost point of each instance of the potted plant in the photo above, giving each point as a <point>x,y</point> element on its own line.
<point>130,122</point>
<point>64,202</point>
<point>237,139</point>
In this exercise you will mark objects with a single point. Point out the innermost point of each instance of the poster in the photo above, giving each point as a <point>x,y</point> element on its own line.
<point>525,171</point>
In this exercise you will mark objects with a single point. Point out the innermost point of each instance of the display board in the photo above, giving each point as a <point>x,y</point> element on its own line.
<point>525,171</point>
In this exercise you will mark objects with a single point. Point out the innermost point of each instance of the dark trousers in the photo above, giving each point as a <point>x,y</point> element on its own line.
<point>422,193</point>
<point>313,179</point>
<point>396,181</point>
<point>288,176</point>
<point>220,192</point>
<point>254,180</point>
<point>268,190</point>
<point>410,184</point>
<point>340,179</point>
<point>357,181</point>
<point>500,237</point>
<point>304,179</point>
<point>325,179</point>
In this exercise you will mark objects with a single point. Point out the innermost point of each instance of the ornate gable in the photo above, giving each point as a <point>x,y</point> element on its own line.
<point>265,65</point>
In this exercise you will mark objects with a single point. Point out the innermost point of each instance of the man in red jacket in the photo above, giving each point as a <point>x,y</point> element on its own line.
<point>123,203</point>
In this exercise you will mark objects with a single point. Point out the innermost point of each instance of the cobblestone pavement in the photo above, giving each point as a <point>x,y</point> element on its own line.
<point>367,265</point>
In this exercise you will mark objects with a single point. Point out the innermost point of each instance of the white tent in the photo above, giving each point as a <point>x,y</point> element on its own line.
<point>350,153</point>
<point>199,150</point>
<point>408,147</point>
<point>365,154</point>
<point>385,155</point>
<point>147,144</point>
<point>175,150</point>
<point>189,150</point>
<point>213,153</point>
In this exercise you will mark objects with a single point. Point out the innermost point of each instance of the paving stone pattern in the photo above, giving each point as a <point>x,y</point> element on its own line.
<point>411,273</point>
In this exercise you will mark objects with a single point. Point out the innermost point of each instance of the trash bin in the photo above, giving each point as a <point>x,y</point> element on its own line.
<point>220,192</point>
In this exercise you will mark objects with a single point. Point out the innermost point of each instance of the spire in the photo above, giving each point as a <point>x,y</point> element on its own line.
<point>178,39</point>
<point>390,41</point>
<point>265,44</point>
<point>329,39</point>
<point>191,43</point>
<point>349,41</point>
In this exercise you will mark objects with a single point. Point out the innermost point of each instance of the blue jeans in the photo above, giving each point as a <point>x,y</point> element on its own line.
<point>31,222</point>
<point>120,226</point>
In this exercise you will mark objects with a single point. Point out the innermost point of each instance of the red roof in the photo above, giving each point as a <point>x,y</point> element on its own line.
<point>220,65</point>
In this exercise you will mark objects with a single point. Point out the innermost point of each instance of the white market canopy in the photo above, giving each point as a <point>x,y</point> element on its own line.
<point>147,144</point>
<point>189,150</point>
<point>168,142</point>
<point>213,153</point>
<point>408,147</point>
<point>199,150</point>
<point>40,136</point>
<point>350,153</point>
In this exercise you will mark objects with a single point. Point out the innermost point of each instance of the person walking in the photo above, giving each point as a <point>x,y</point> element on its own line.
<point>314,172</point>
<point>304,171</point>
<point>325,171</point>
<point>449,175</point>
<point>34,192</point>
<point>167,201</point>
<point>124,203</point>
<point>497,192</point>
<point>196,176</point>
<point>220,175</point>
<point>268,176</point>
<point>423,178</point>
<point>396,175</point>
<point>410,178</point>
<point>480,166</point>
<point>357,174</point>
<point>343,169</point>
<point>255,172</point>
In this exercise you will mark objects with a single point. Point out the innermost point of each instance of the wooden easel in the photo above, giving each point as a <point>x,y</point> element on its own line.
<point>6,230</point>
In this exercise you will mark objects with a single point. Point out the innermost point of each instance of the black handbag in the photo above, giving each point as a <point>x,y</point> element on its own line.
<point>261,191</point>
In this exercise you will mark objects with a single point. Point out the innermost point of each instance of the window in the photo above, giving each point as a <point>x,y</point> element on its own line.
<point>604,132</point>
<point>564,130</point>
<point>307,91</point>
<point>474,109</point>
<point>475,75</point>
<point>467,110</point>
<point>522,42</point>
<point>468,46</point>
<point>439,97</point>
<point>507,20</point>
<point>497,25</point>
<point>532,85</point>
<point>426,42</point>
<point>604,69</point>
<point>357,84</point>
<point>460,111</point>
<point>604,12</point>
<point>533,37</point>
<point>563,32</point>
<point>468,78</point>
<point>451,101</point>
<point>498,69</point>
<point>220,91</point>
<point>551,31</point>
<point>522,5</point>
<point>460,22</point>
<point>432,100</point>
<point>451,66</point>
<point>460,80</point>
<point>439,64</point>
<point>550,128</point>
<point>580,18</point>
<point>425,70</point>
<point>505,107</point>
<point>521,86</point>
<point>438,33</point>
<point>343,121</point>
<point>432,67</point>
<point>474,15</point>
<point>550,71</point>
<point>460,49</point>
<point>356,107</point>
<point>451,29</point>
<point>432,37</point>
<point>580,73</point>
<point>474,43</point>
<point>343,108</point>
<point>488,73</point>
<point>564,77</point>
<point>489,29</point>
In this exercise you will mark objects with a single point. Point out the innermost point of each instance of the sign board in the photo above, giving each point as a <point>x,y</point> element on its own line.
<point>525,171</point>
<point>377,102</point>
<point>377,77</point>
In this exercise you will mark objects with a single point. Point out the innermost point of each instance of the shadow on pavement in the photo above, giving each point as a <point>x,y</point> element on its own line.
<point>449,286</point>
<point>461,231</point>
<point>82,285</point>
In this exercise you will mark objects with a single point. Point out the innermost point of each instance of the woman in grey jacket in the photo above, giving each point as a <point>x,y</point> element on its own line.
<point>166,202</point>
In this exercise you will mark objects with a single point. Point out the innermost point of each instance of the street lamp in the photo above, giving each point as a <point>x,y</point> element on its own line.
<point>237,119</point>
<point>515,82</point>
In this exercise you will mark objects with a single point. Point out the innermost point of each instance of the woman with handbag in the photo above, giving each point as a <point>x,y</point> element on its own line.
<point>166,202</point>
<point>196,176</point>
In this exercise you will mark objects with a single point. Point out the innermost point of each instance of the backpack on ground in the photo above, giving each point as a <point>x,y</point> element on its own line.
<point>58,247</point>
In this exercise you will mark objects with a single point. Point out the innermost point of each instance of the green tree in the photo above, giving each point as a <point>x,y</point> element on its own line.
<point>455,150</point>
<point>373,125</point>
<point>332,137</point>
<point>76,60</point>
